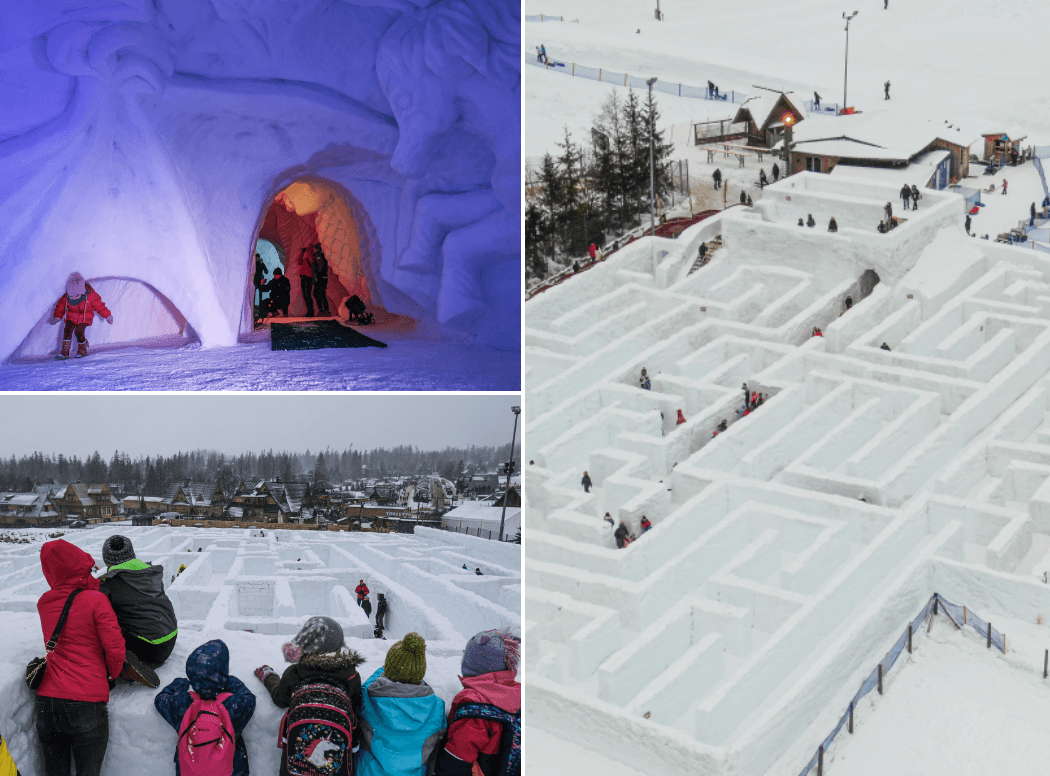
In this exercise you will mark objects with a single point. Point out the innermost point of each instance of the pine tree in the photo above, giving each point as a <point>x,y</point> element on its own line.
<point>661,150</point>
<point>321,474</point>
<point>572,205</point>
<point>550,198</point>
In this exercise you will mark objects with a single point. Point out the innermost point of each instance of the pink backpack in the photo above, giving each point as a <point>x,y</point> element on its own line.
<point>206,742</point>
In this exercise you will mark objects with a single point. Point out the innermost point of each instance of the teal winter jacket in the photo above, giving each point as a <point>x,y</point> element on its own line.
<point>402,726</point>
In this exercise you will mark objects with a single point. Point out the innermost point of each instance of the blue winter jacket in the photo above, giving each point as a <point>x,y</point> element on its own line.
<point>401,727</point>
<point>208,669</point>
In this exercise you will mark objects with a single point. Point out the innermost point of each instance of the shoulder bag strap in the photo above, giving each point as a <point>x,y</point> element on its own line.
<point>53,642</point>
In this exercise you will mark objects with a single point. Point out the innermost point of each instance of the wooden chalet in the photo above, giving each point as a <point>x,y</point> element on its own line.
<point>27,509</point>
<point>269,501</point>
<point>767,116</point>
<point>86,501</point>
<point>197,499</point>
<point>384,495</point>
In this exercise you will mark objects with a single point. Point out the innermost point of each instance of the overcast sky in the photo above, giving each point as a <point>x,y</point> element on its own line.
<point>164,424</point>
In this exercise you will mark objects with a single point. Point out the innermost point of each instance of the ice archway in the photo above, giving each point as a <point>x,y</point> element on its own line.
<point>148,134</point>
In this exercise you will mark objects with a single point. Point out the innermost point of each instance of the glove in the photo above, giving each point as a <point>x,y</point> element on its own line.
<point>109,320</point>
<point>291,652</point>
<point>262,672</point>
<point>53,321</point>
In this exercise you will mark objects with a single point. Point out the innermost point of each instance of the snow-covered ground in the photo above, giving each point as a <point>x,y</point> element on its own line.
<point>254,593</point>
<point>789,551</point>
<point>408,363</point>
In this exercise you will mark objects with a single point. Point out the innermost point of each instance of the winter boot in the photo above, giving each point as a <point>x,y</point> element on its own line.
<point>65,349</point>
<point>81,349</point>
<point>136,671</point>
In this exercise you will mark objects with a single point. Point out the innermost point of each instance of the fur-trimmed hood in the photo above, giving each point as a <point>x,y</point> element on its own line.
<point>333,662</point>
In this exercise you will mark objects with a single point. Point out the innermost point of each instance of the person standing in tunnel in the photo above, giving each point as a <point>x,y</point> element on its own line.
<point>280,289</point>
<point>257,281</point>
<point>321,280</point>
<point>306,279</point>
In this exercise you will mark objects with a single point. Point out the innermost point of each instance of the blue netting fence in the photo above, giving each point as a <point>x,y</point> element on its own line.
<point>937,604</point>
<point>637,82</point>
<point>543,17</point>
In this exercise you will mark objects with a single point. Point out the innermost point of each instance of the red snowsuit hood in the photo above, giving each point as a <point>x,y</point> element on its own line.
<point>67,566</point>
<point>498,688</point>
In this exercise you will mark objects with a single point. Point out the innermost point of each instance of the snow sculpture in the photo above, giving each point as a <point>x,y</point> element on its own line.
<point>151,138</point>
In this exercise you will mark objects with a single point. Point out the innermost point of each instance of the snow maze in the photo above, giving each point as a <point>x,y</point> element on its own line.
<point>255,592</point>
<point>789,551</point>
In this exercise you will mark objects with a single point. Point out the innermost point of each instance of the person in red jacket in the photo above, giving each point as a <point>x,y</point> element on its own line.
<point>681,418</point>
<point>362,591</point>
<point>484,723</point>
<point>72,719</point>
<point>78,306</point>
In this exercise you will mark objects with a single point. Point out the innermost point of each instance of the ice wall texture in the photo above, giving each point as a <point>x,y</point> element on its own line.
<point>145,140</point>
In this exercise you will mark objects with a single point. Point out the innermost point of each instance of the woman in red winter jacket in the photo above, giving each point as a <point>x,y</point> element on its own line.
<point>484,724</point>
<point>72,719</point>
<point>78,306</point>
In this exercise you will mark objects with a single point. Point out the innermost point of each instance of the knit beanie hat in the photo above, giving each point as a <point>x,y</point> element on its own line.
<point>406,662</point>
<point>117,550</point>
<point>76,285</point>
<point>319,635</point>
<point>490,651</point>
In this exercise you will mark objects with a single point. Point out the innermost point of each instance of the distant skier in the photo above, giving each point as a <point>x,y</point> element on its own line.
<point>905,195</point>
<point>776,172</point>
<point>833,225</point>
<point>362,591</point>
<point>381,609</point>
<point>710,90</point>
<point>586,482</point>
<point>816,101</point>
<point>78,306</point>
<point>887,86</point>
<point>718,178</point>
<point>915,197</point>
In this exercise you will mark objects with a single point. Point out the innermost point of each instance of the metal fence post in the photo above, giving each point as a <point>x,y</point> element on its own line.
<point>820,761</point>
<point>851,717</point>
<point>909,638</point>
<point>989,635</point>
<point>880,678</point>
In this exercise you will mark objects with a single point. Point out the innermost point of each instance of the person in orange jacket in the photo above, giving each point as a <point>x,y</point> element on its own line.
<point>78,306</point>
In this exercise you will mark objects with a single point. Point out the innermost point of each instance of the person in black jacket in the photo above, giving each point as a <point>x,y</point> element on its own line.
<point>833,225</point>
<point>367,606</point>
<point>586,482</point>
<point>280,293</point>
<point>136,591</point>
<point>381,609</point>
<point>321,280</point>
<point>257,282</point>
<point>622,535</point>
<point>319,656</point>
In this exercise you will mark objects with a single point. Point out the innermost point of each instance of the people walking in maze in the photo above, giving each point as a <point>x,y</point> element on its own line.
<point>586,482</point>
<point>817,332</point>
<point>646,525</point>
<point>724,425</point>
<point>776,172</point>
<point>78,307</point>
<point>810,221</point>
<point>905,195</point>
<point>72,721</point>
<point>381,608</point>
<point>743,197</point>
<point>322,692</point>
<point>718,178</point>
<point>622,535</point>
<point>701,253</point>
<point>644,381</point>
<point>762,180</point>
<point>478,572</point>
<point>747,394</point>
<point>749,200</point>
<point>833,225</point>
<point>681,418</point>
<point>209,710</point>
<point>136,591</point>
<point>915,197</point>
<point>887,87</point>
<point>800,222</point>
<point>848,302</point>
<point>367,606</point>
<point>362,591</point>
<point>609,519</point>
<point>402,720</point>
<point>888,210</point>
<point>884,346</point>
<point>484,721</point>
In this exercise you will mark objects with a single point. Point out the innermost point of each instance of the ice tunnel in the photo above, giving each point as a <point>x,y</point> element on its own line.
<point>155,141</point>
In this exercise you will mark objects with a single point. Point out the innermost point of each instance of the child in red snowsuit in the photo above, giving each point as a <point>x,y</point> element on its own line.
<point>484,724</point>
<point>78,306</point>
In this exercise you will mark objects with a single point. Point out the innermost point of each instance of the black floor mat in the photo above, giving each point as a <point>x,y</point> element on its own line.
<point>316,335</point>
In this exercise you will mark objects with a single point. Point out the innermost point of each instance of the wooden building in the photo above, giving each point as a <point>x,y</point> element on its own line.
<point>80,501</point>
<point>27,509</point>
<point>384,495</point>
<point>269,501</point>
<point>197,499</point>
<point>768,116</point>
<point>1001,147</point>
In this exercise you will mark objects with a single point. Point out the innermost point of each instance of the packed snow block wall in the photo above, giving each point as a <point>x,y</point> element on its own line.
<point>787,549</point>
<point>151,139</point>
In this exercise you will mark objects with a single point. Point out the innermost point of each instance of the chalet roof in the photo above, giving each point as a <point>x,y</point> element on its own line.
<point>763,109</point>
<point>197,492</point>
<point>87,494</point>
<point>877,135</point>
<point>31,504</point>
<point>919,172</point>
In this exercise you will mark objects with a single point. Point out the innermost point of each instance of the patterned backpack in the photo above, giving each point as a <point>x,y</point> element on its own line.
<point>206,743</point>
<point>510,741</point>
<point>317,733</point>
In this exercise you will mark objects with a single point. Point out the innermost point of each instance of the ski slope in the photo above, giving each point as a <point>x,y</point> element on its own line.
<point>254,592</point>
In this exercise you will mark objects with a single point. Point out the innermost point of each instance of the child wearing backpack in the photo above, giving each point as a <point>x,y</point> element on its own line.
<point>209,710</point>
<point>322,692</point>
<point>484,724</point>
<point>402,720</point>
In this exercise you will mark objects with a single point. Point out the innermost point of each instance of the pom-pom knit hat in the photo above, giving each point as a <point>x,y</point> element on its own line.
<point>490,651</point>
<point>116,550</point>
<point>406,662</point>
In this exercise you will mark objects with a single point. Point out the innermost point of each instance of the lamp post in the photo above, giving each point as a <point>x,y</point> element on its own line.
<point>652,182</point>
<point>845,76</point>
<point>510,470</point>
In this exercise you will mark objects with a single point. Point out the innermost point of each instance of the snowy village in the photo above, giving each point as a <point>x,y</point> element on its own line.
<point>787,347</point>
<point>248,585</point>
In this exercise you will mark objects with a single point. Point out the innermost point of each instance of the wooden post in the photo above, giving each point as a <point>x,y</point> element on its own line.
<point>909,638</point>
<point>851,708</point>
<point>1046,661</point>
<point>880,678</point>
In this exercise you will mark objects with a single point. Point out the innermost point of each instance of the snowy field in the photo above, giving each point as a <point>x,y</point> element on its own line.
<point>789,551</point>
<point>254,593</point>
<point>408,363</point>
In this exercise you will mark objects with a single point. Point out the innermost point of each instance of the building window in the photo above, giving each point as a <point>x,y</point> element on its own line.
<point>813,164</point>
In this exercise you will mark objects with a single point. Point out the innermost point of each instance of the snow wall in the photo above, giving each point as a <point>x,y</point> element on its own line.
<point>150,139</point>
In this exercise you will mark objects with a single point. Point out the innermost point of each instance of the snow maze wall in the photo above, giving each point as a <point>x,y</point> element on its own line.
<point>255,593</point>
<point>150,139</point>
<point>788,552</point>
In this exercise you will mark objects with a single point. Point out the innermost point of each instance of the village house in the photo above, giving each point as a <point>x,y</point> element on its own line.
<point>270,501</point>
<point>33,508</point>
<point>197,499</point>
<point>768,116</point>
<point>86,501</point>
<point>384,495</point>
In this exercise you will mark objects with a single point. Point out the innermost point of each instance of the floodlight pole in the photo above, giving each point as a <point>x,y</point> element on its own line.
<point>845,76</point>
<point>652,182</point>
<point>510,470</point>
